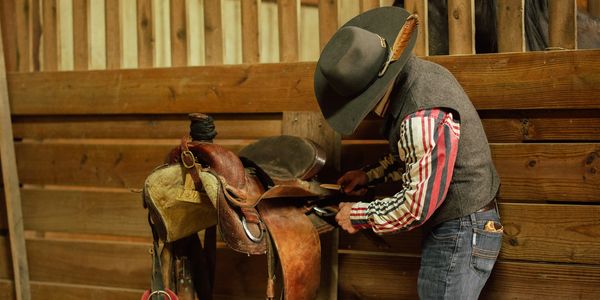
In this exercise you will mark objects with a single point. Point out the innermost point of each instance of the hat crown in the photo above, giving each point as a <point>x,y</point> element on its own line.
<point>353,61</point>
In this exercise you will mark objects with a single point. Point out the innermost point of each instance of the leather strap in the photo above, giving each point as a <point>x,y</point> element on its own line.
<point>298,247</point>
<point>189,162</point>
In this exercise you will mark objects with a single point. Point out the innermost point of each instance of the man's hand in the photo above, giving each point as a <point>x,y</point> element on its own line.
<point>343,217</point>
<point>351,179</point>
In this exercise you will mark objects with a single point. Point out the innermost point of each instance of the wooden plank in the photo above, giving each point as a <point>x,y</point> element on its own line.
<point>528,172</point>
<point>420,7</point>
<point>179,45</point>
<point>6,271</point>
<point>107,212</point>
<point>536,80</point>
<point>3,216</point>
<point>213,32</point>
<point>50,35</point>
<point>35,37</point>
<point>7,289</point>
<point>532,232</point>
<point>122,265</point>
<point>369,277</point>
<point>100,163</point>
<point>548,171</point>
<point>145,34</point>
<point>229,126</point>
<point>515,126</point>
<point>328,20</point>
<point>250,33</point>
<point>594,7</point>
<point>368,5</point>
<point>562,24</point>
<point>81,36</point>
<point>9,34</point>
<point>511,25</point>
<point>461,26</point>
<point>23,31</point>
<point>288,29</point>
<point>12,198</point>
<point>113,34</point>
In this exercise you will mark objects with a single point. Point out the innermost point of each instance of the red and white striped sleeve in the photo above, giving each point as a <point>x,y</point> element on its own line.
<point>428,145</point>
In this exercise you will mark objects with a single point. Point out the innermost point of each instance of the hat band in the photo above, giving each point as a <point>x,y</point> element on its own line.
<point>387,62</point>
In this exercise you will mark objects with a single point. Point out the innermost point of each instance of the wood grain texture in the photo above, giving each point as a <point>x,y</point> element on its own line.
<point>229,126</point>
<point>510,15</point>
<point>518,126</point>
<point>50,35</point>
<point>368,4</point>
<point>287,15</point>
<point>369,277</point>
<point>594,7</point>
<point>250,33</point>
<point>35,36</point>
<point>562,24</point>
<point>179,44</point>
<point>118,213</point>
<point>461,26</point>
<point>12,198</point>
<point>213,32</point>
<point>23,30</point>
<point>532,232</point>
<point>528,172</point>
<point>540,80</point>
<point>81,36</point>
<point>9,34</point>
<point>420,7</point>
<point>124,265</point>
<point>95,163</point>
<point>145,34</point>
<point>114,45</point>
<point>328,20</point>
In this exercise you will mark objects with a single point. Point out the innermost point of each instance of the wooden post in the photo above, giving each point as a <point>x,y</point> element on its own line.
<point>461,26</point>
<point>81,41</point>
<point>288,29</point>
<point>178,33</point>
<point>594,7</point>
<point>250,38</point>
<point>562,24</point>
<point>113,35</point>
<point>145,34</point>
<point>50,36</point>
<point>213,32</point>
<point>23,32</point>
<point>328,21</point>
<point>511,29</point>
<point>420,8</point>
<point>35,36</point>
<point>312,125</point>
<point>368,5</point>
<point>11,190</point>
<point>9,34</point>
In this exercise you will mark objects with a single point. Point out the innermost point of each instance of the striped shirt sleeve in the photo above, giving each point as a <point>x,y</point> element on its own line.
<point>428,146</point>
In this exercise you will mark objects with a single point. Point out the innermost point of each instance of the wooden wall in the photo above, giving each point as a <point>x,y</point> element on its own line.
<point>85,141</point>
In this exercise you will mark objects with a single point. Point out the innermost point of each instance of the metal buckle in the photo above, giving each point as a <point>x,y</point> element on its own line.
<point>159,292</point>
<point>187,154</point>
<point>324,211</point>
<point>249,234</point>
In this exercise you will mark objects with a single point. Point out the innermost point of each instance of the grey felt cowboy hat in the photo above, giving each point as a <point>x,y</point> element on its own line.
<point>351,75</point>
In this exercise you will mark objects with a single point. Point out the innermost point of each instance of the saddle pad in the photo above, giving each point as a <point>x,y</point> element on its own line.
<point>175,206</point>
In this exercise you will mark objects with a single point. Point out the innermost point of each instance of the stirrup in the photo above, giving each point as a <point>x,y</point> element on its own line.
<point>249,233</point>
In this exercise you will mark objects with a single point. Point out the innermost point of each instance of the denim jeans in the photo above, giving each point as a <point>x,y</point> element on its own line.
<point>458,256</point>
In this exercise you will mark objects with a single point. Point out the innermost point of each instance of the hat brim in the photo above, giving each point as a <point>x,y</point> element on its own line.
<point>344,114</point>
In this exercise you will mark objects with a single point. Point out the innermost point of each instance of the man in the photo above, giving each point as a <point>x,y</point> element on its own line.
<point>439,152</point>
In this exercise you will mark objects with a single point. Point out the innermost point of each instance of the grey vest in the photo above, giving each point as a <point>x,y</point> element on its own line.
<point>425,85</point>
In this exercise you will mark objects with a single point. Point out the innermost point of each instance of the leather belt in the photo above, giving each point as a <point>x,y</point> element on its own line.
<point>491,205</point>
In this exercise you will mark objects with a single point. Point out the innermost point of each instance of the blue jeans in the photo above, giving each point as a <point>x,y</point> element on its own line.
<point>458,256</point>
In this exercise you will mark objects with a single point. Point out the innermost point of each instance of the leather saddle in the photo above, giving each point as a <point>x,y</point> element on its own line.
<point>260,199</point>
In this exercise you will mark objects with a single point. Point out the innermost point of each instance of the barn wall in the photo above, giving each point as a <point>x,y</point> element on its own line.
<point>85,141</point>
